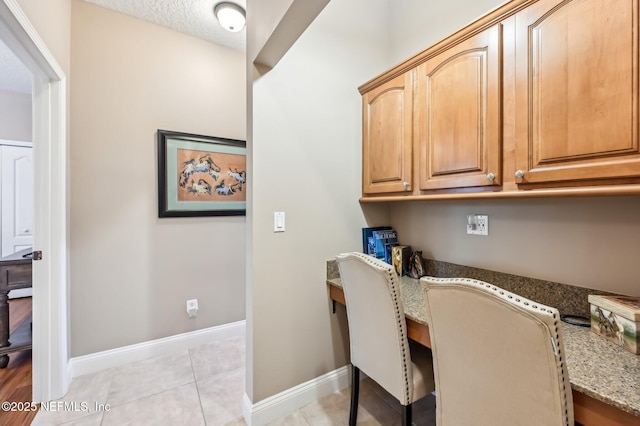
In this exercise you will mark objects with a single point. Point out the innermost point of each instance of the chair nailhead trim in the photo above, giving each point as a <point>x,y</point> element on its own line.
<point>393,287</point>
<point>526,303</point>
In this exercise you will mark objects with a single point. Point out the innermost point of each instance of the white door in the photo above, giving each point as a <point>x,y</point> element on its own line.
<point>16,184</point>
<point>16,189</point>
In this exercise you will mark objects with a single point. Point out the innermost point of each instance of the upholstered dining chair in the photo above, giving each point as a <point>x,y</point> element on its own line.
<point>378,334</point>
<point>498,357</point>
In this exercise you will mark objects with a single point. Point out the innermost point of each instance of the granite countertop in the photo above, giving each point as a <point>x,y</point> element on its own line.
<point>597,367</point>
<point>411,297</point>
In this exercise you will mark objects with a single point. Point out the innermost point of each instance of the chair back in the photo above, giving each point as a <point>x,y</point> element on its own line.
<point>377,328</point>
<point>498,357</point>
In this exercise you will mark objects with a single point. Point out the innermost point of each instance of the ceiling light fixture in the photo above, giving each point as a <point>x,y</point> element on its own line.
<point>231,16</point>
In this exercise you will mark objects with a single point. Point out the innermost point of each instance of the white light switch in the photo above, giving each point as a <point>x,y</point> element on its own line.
<point>278,221</point>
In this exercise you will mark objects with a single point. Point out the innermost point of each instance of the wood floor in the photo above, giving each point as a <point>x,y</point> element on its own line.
<point>15,380</point>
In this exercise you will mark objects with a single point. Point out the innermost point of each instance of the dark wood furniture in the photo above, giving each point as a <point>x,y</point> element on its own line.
<point>15,273</point>
<point>587,410</point>
<point>16,379</point>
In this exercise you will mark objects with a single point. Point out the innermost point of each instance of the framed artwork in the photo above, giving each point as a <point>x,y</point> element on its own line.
<point>201,175</point>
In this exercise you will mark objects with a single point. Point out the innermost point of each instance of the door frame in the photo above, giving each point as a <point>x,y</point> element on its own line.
<point>50,360</point>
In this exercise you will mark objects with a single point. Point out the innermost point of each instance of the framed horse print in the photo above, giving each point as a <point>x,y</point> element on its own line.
<point>201,175</point>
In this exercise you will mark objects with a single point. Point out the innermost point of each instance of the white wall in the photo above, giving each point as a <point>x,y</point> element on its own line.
<point>414,25</point>
<point>262,19</point>
<point>307,163</point>
<point>131,273</point>
<point>15,116</point>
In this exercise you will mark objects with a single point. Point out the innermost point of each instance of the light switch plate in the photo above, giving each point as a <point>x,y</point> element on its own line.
<point>278,221</point>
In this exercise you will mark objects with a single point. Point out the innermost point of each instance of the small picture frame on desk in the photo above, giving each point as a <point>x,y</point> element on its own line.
<point>400,256</point>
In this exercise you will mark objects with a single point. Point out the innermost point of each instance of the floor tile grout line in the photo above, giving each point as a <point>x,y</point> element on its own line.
<point>301,411</point>
<point>111,374</point>
<point>193,380</point>
<point>204,418</point>
<point>156,393</point>
<point>198,382</point>
<point>88,413</point>
<point>224,373</point>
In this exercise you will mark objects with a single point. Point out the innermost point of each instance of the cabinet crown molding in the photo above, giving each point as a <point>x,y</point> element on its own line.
<point>491,18</point>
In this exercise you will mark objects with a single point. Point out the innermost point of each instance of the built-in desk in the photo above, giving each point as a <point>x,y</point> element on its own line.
<point>15,273</point>
<point>604,377</point>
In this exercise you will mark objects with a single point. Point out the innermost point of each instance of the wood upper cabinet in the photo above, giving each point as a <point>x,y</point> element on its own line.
<point>459,114</point>
<point>576,104</point>
<point>387,136</point>
<point>535,97</point>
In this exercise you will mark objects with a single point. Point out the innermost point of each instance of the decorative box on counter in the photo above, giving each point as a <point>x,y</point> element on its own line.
<point>617,318</point>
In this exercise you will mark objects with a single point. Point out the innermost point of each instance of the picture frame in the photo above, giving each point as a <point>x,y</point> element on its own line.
<point>201,175</point>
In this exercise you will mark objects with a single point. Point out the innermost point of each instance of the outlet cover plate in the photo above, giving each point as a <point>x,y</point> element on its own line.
<point>192,307</point>
<point>478,224</point>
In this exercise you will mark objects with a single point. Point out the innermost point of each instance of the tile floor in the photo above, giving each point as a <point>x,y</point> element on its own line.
<point>204,386</point>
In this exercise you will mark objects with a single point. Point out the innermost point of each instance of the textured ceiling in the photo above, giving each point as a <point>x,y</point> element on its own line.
<point>193,17</point>
<point>14,76</point>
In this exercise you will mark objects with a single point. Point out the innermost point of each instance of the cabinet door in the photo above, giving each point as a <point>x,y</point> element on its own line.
<point>577,92</point>
<point>387,136</point>
<point>459,109</point>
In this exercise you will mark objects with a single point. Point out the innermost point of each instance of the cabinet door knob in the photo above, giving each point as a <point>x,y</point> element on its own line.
<point>491,176</point>
<point>405,184</point>
<point>26,230</point>
<point>519,174</point>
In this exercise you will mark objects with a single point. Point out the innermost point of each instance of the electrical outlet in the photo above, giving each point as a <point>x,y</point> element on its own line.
<point>192,307</point>
<point>478,224</point>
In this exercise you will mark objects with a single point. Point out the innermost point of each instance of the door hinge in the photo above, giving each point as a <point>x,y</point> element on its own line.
<point>34,255</point>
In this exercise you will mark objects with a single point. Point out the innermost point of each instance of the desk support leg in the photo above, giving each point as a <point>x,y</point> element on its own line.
<point>4,326</point>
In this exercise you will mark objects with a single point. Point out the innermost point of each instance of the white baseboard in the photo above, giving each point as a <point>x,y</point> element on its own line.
<point>99,361</point>
<point>290,400</point>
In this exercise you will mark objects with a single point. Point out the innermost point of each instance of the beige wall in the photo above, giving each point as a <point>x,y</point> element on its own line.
<point>306,162</point>
<point>131,273</point>
<point>15,116</point>
<point>52,21</point>
<point>586,242</point>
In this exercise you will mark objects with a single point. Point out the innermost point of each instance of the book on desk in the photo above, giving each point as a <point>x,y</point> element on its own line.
<point>379,242</point>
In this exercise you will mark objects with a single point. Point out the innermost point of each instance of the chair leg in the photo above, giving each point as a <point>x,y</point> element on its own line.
<point>406,415</point>
<point>355,389</point>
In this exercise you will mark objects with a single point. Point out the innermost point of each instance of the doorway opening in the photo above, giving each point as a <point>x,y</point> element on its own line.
<point>49,137</point>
